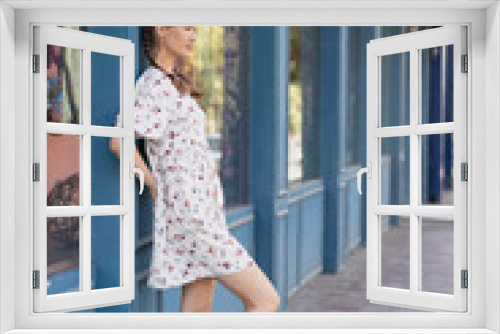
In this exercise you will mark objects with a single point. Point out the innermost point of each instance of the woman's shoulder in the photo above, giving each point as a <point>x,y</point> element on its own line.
<point>156,80</point>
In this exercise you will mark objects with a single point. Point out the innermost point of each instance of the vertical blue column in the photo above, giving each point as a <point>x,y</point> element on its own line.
<point>367,34</point>
<point>330,64</point>
<point>269,55</point>
<point>434,166</point>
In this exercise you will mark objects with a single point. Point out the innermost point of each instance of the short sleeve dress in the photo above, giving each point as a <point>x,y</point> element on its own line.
<point>191,239</point>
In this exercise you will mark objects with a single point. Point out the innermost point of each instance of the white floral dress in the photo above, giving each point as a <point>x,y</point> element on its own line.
<point>191,239</point>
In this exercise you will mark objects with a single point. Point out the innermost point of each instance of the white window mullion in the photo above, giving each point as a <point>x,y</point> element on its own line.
<point>86,166</point>
<point>127,226</point>
<point>373,189</point>
<point>420,129</point>
<point>78,129</point>
<point>414,168</point>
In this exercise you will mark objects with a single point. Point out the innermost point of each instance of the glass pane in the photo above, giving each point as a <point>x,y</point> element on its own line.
<point>222,62</point>
<point>63,84</point>
<point>105,171</point>
<point>437,169</point>
<point>395,89</point>
<point>63,255</point>
<point>105,90</point>
<point>437,84</point>
<point>296,105</point>
<point>63,170</point>
<point>106,244</point>
<point>395,251</point>
<point>437,255</point>
<point>395,171</point>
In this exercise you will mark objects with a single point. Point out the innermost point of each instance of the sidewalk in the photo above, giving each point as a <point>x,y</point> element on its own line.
<point>346,291</point>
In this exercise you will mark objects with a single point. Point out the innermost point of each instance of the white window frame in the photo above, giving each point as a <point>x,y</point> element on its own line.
<point>124,51</point>
<point>483,120</point>
<point>413,44</point>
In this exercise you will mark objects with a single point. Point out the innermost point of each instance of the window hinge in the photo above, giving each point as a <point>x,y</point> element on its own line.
<point>36,279</point>
<point>465,63</point>
<point>465,171</point>
<point>465,279</point>
<point>36,171</point>
<point>36,63</point>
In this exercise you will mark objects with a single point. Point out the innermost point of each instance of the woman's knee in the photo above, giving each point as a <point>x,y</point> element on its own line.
<point>269,302</point>
<point>265,305</point>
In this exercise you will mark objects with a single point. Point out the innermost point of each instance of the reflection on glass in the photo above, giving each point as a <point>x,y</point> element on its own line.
<point>221,62</point>
<point>213,61</point>
<point>395,251</point>
<point>395,172</point>
<point>105,173</point>
<point>105,244</point>
<point>395,89</point>
<point>296,104</point>
<point>437,169</point>
<point>63,255</point>
<point>63,170</point>
<point>63,84</point>
<point>437,84</point>
<point>105,91</point>
<point>437,255</point>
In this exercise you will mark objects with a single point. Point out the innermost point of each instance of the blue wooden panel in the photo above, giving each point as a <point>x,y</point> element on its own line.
<point>342,226</point>
<point>147,298</point>
<point>354,220</point>
<point>311,235</point>
<point>170,300</point>
<point>281,263</point>
<point>293,240</point>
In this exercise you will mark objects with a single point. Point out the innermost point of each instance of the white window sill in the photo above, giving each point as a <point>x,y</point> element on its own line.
<point>260,331</point>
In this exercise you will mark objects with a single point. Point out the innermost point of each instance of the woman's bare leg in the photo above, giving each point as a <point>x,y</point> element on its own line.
<point>197,295</point>
<point>254,289</point>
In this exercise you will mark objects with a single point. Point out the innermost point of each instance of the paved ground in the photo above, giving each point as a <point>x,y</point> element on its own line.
<point>346,291</point>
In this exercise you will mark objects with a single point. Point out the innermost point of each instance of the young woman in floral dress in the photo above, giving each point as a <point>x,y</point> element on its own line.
<point>193,247</point>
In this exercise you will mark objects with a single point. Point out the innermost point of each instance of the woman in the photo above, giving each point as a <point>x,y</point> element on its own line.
<point>193,247</point>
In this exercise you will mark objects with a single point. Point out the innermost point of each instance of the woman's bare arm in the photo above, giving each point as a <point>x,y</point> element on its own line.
<point>114,145</point>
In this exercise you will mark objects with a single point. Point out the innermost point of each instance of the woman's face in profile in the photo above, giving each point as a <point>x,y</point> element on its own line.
<point>179,39</point>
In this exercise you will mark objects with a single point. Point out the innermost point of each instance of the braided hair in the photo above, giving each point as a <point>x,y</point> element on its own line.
<point>184,82</point>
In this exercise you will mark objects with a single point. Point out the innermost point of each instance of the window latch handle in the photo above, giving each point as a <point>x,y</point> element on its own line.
<point>134,170</point>
<point>368,171</point>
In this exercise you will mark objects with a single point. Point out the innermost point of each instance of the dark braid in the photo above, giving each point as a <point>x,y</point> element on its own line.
<point>181,80</point>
